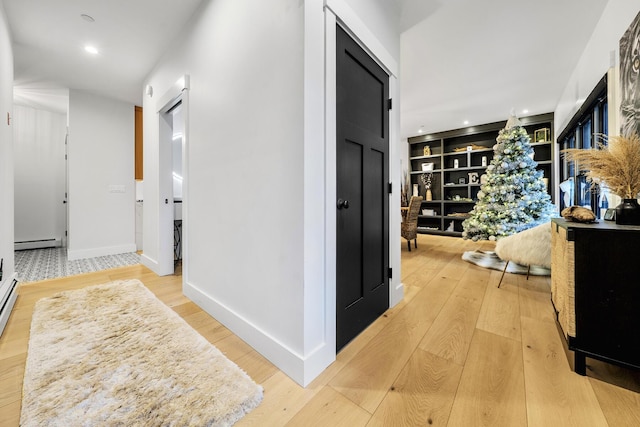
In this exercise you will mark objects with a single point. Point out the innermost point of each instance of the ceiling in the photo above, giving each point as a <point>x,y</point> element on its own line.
<point>49,38</point>
<point>460,59</point>
<point>475,61</point>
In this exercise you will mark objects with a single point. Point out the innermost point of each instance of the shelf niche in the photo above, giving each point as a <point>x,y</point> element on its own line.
<point>456,154</point>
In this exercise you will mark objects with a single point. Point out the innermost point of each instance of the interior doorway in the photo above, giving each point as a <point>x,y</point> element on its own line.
<point>172,138</point>
<point>362,165</point>
<point>177,143</point>
<point>40,178</point>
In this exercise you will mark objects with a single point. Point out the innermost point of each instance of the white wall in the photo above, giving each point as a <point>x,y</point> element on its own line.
<point>6,146</point>
<point>600,54</point>
<point>100,155</point>
<point>39,173</point>
<point>254,200</point>
<point>245,135</point>
<point>596,60</point>
<point>382,17</point>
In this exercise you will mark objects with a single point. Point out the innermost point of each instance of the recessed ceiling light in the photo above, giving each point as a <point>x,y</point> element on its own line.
<point>91,49</point>
<point>466,122</point>
<point>525,111</point>
<point>87,18</point>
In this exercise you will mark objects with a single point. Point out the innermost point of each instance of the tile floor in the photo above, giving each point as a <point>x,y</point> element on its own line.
<point>40,264</point>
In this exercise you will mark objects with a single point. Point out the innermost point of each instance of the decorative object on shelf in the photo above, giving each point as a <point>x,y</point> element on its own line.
<point>628,212</point>
<point>456,163</point>
<point>474,177</point>
<point>428,212</point>
<point>617,165</point>
<point>514,198</point>
<point>461,180</point>
<point>484,160</point>
<point>473,147</point>
<point>415,190</point>
<point>542,135</point>
<point>578,214</point>
<point>426,181</point>
<point>610,215</point>
<point>427,167</point>
<point>459,214</point>
<point>629,64</point>
<point>450,227</point>
<point>426,150</point>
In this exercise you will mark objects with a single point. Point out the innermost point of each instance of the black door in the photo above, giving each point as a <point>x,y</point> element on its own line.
<point>362,292</point>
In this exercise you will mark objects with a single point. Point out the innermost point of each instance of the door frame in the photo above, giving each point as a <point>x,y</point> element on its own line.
<point>179,93</point>
<point>337,12</point>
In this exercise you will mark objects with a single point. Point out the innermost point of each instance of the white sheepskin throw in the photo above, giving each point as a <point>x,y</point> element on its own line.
<point>529,247</point>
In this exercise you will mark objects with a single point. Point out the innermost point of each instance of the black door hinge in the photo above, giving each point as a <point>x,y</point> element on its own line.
<point>390,187</point>
<point>390,273</point>
<point>389,103</point>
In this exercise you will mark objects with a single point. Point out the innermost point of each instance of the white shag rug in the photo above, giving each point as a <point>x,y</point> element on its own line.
<point>488,259</point>
<point>114,354</point>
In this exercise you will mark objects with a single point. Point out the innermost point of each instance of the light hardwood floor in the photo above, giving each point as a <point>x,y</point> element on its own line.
<point>457,351</point>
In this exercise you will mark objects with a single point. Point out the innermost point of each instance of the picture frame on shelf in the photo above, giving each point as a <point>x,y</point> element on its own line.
<point>610,215</point>
<point>461,180</point>
<point>541,135</point>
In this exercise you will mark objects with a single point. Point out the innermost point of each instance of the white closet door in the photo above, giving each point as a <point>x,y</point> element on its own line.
<point>39,138</point>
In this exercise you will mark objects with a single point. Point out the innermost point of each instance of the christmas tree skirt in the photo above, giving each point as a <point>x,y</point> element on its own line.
<point>488,259</point>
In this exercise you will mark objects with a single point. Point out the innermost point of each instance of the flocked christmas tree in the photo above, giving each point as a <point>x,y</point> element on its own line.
<point>513,196</point>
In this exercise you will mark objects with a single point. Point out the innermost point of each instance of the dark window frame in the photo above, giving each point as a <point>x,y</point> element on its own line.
<point>591,118</point>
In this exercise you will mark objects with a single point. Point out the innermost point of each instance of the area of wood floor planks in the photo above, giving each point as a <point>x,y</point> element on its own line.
<point>457,351</point>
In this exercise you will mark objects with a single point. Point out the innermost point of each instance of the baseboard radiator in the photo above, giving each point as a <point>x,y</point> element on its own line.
<point>37,244</point>
<point>8,296</point>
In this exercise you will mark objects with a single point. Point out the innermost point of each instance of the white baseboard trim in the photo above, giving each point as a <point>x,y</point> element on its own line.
<point>397,294</point>
<point>154,266</point>
<point>150,263</point>
<point>96,252</point>
<point>37,244</point>
<point>301,369</point>
<point>8,296</point>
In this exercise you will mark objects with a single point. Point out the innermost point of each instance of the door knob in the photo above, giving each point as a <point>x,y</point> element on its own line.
<point>343,204</point>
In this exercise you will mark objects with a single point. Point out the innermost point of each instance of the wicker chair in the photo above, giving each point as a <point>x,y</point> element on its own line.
<point>410,222</point>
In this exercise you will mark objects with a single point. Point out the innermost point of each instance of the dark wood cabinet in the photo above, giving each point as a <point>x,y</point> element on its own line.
<point>595,290</point>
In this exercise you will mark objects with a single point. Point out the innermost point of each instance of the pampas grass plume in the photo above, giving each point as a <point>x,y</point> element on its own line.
<point>616,164</point>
